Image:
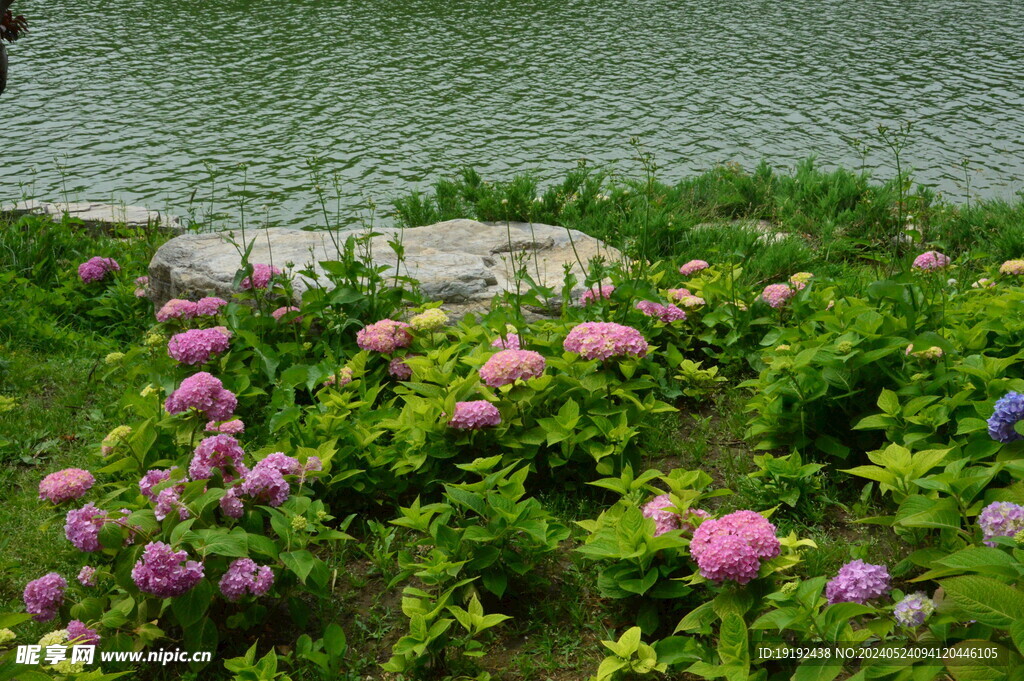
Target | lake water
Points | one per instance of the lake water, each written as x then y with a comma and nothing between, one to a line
139,101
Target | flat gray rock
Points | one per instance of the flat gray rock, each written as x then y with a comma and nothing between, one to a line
108,214
463,263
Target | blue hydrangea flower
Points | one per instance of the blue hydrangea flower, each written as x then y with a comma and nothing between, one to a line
1008,410
913,610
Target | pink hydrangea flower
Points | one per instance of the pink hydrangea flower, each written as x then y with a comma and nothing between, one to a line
341,379
217,451
676,294
232,427
209,307
176,308
664,519
243,577
168,500
397,368
164,572
65,485
261,276
691,301
282,311
800,280
666,313
931,260
198,346
96,269
509,366
154,477
204,393
231,504
87,576
511,341
82,527
266,484
592,295
733,546
858,582
604,340
141,286
44,596
693,267
475,415
384,336
1013,267
81,635
776,295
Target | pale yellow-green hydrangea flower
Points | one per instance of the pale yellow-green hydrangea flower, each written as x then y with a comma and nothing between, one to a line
149,390
114,438
113,358
152,340
299,523
7,403
6,636
431,320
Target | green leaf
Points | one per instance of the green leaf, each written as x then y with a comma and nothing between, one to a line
299,562
888,402
732,641
985,599
334,640
190,607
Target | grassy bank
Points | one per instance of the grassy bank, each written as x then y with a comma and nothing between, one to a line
813,412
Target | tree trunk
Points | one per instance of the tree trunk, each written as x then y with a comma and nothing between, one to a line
3,68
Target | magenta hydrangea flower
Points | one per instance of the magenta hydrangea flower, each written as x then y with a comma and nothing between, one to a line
87,576
666,313
243,577
341,379
693,267
217,451
931,260
44,596
511,341
65,485
204,393
209,307
733,546
604,340
475,415
260,278
82,527
509,366
198,346
858,582
231,503
164,572
594,294
776,295
397,368
1000,519
232,427
175,308
282,311
384,336
81,635
96,269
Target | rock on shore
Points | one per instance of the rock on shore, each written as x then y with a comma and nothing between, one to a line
463,263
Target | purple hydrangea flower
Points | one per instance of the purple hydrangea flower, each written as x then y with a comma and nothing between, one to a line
82,527
95,269
44,596
858,582
87,576
81,635
245,576
164,572
217,451
1001,519
913,610
231,505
